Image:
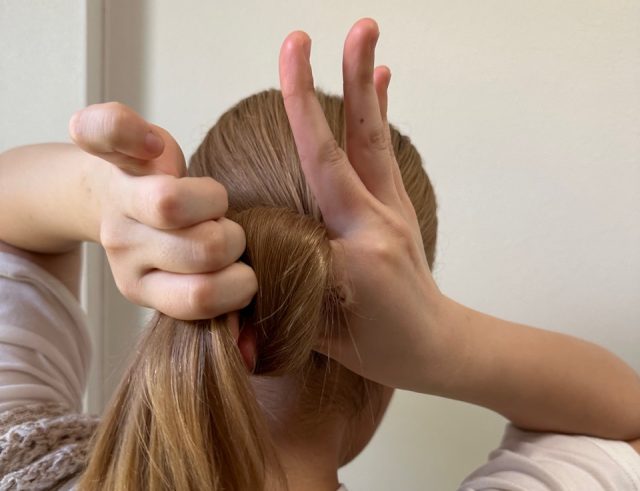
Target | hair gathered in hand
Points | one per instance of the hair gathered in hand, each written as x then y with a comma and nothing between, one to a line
186,416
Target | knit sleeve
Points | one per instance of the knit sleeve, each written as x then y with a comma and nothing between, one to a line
45,347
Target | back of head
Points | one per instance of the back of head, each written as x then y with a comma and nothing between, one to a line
186,416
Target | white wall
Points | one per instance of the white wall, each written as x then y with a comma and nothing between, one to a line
51,65
43,77
528,118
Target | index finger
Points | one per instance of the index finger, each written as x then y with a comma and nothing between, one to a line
166,202
337,188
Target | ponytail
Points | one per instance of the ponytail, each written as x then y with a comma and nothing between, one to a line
184,417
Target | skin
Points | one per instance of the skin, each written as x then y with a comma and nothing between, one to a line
171,248
312,450
562,384
166,238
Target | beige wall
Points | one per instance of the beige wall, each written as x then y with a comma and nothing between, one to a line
527,115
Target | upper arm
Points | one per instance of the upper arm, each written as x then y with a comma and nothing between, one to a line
531,460
65,266
635,444
45,346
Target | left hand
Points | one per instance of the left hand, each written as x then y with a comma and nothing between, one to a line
166,238
390,335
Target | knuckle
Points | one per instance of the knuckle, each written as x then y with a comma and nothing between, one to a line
243,283
128,288
406,246
377,139
199,296
165,202
395,243
209,250
288,94
404,239
111,238
330,152
239,244
252,286
297,92
221,194
382,251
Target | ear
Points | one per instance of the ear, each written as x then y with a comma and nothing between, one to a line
245,336
247,346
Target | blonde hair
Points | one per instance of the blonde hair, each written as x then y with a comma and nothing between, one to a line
185,416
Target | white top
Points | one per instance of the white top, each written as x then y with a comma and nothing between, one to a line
45,349
45,355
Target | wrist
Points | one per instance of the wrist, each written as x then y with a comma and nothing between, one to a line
96,182
447,350
79,197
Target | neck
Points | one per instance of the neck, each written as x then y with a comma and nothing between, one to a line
310,460
309,453
309,470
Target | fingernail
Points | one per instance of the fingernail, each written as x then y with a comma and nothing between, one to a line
73,125
153,143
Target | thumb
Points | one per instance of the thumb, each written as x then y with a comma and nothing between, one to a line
117,134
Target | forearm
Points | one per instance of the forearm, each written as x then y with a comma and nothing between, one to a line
539,380
49,197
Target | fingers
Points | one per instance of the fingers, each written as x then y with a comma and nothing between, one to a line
338,190
381,81
116,133
115,128
166,202
367,141
208,246
198,296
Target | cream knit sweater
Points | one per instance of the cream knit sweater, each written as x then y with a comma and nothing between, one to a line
42,446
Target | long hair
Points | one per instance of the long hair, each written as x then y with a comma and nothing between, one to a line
185,416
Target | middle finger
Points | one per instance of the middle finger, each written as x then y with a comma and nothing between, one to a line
206,247
367,143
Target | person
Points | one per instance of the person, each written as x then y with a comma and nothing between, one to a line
280,390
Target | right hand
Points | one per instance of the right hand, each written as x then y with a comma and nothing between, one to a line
378,254
166,238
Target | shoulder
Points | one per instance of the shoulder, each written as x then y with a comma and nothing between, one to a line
556,462
64,267
45,346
